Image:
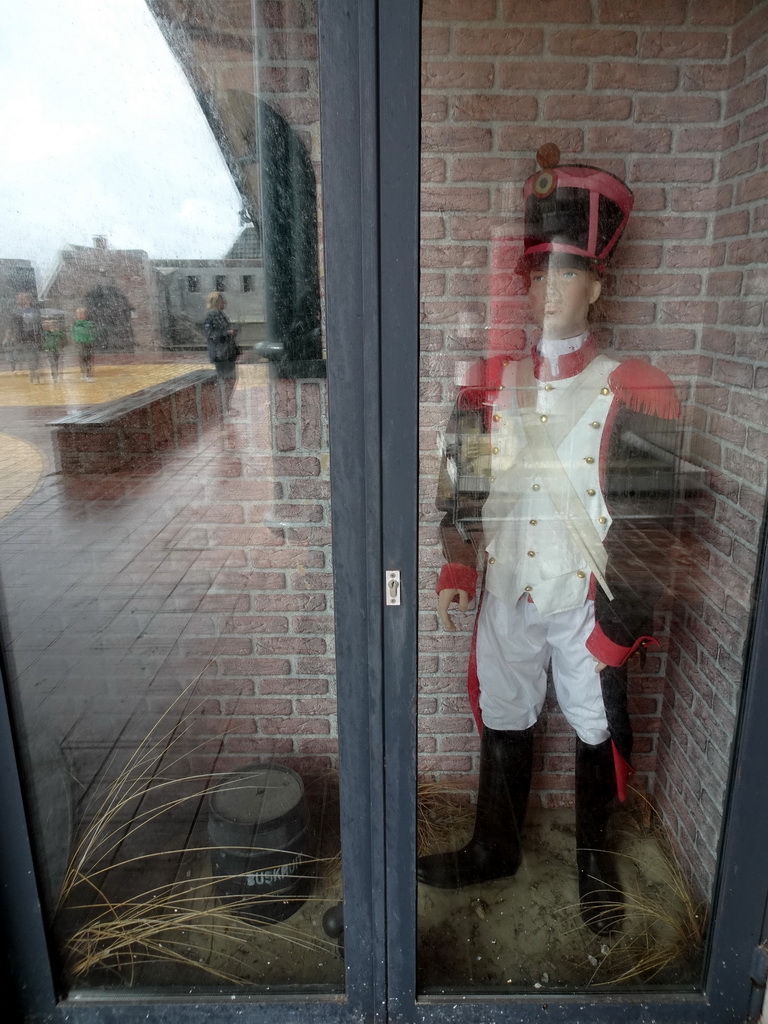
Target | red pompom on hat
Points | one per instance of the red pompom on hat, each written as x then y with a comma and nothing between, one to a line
573,209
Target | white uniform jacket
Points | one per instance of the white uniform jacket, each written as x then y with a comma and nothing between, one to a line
524,485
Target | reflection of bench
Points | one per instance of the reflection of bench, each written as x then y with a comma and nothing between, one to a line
135,431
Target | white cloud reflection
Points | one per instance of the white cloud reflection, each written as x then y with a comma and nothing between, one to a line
103,136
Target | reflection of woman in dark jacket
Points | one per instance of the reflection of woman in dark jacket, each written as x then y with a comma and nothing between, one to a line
222,347
28,332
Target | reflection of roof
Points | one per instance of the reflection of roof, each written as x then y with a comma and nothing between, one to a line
247,245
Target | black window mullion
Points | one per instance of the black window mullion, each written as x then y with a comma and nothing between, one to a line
399,46
348,91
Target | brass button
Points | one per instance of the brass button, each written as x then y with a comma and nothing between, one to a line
536,487
527,589
493,479
591,492
602,519
501,387
581,575
531,554
497,418
495,451
549,387
589,460
543,418
491,561
534,522
505,362
605,391
595,424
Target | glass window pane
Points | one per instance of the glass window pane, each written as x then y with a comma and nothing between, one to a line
599,501
165,550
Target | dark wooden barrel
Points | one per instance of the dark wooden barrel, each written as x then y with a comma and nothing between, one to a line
258,826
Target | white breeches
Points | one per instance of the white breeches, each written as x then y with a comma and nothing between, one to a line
514,648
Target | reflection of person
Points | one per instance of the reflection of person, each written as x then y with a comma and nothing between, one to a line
223,349
84,336
53,341
28,330
11,349
548,431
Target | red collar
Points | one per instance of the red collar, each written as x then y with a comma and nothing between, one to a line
568,365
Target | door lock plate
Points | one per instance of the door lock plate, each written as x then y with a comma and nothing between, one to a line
392,586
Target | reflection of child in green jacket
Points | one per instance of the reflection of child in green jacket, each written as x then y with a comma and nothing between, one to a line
54,338
84,336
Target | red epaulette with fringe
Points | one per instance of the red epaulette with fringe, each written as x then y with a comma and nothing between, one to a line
645,388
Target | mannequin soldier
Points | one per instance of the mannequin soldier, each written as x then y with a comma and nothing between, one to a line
541,438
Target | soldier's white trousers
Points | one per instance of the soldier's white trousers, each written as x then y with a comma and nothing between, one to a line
514,648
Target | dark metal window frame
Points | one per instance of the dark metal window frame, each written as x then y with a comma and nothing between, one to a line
347,30
370,109
739,904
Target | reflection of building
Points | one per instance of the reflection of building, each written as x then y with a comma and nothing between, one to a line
268,129
115,285
186,284
145,304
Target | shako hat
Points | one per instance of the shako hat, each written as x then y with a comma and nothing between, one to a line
573,209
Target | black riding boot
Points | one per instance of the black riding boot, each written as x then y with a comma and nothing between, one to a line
600,894
506,761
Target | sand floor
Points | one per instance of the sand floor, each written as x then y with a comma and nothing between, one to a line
522,934
526,933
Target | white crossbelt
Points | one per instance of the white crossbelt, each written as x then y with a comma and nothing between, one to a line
546,463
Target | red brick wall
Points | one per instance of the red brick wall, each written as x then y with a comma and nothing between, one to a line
670,96
728,416
266,635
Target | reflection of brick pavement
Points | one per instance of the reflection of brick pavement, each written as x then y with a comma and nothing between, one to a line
21,465
121,589
112,381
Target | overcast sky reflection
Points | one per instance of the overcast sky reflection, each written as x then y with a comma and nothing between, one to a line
103,136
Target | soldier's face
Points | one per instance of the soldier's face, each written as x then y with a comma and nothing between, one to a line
560,298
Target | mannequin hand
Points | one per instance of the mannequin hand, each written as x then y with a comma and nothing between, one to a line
444,599
599,666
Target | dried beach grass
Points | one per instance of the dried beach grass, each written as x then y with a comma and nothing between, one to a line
444,816
665,919
185,920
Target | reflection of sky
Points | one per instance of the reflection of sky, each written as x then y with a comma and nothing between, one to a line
102,135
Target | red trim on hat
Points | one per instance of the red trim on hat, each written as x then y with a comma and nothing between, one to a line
598,183
592,178
612,242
